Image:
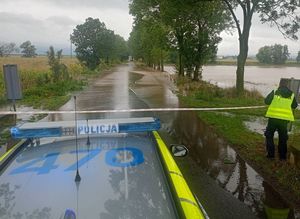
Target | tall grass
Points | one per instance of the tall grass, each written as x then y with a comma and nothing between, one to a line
38,88
37,64
205,94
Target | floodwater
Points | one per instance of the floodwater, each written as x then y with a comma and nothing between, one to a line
260,78
226,186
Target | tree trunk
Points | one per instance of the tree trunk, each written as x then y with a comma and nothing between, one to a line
197,76
189,71
242,183
241,59
161,61
181,73
179,36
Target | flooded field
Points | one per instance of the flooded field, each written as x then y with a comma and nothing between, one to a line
262,79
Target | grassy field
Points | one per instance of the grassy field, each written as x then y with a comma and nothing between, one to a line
250,145
39,89
37,64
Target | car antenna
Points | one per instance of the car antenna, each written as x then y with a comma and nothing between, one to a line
88,143
77,178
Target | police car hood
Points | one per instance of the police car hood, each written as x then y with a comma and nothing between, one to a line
121,177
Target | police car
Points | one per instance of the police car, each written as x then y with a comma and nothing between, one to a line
94,169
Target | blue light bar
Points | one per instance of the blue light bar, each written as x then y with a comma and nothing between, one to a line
85,127
140,127
35,133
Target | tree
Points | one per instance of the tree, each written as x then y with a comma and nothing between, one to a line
120,48
7,48
59,70
276,54
298,57
28,50
202,36
279,54
188,26
264,55
148,40
94,42
280,13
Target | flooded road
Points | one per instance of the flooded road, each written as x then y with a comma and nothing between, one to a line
225,189
231,190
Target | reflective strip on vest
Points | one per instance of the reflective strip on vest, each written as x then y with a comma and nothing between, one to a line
280,108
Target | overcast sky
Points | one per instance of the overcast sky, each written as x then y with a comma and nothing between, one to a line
50,22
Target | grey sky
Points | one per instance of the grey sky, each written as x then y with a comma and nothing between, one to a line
50,22
260,35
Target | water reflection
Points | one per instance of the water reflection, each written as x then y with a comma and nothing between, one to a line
8,203
222,163
137,203
134,196
294,157
274,205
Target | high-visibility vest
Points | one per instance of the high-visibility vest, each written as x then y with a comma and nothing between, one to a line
280,108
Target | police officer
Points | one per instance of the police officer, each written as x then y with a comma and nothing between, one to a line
281,102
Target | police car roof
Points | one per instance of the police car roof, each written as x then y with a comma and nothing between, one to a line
121,177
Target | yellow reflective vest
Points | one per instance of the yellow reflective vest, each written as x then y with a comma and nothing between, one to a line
280,108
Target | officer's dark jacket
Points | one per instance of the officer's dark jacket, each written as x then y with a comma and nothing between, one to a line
283,92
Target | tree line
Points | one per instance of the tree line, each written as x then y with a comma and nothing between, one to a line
27,49
275,54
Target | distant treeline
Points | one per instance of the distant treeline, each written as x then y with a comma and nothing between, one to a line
27,49
276,54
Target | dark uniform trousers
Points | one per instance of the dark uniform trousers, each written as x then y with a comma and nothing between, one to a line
280,126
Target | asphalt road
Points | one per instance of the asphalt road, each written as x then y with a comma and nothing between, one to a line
125,87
